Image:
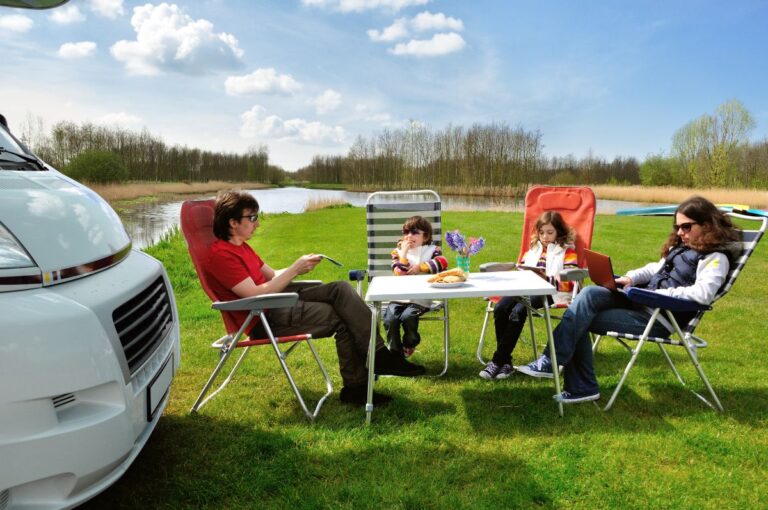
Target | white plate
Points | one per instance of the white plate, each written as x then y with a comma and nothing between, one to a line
450,285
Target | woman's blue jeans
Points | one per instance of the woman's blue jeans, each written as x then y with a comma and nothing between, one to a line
597,310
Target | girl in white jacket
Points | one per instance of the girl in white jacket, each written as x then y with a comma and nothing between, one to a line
552,250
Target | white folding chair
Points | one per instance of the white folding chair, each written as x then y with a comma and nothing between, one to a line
386,211
684,335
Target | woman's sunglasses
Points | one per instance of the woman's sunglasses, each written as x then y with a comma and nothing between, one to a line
686,227
253,217
412,231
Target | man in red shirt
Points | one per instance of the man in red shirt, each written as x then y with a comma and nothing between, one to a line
235,271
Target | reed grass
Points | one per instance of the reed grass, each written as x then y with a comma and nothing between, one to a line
315,204
458,441
133,190
673,195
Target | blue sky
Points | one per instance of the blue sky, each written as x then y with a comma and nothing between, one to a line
306,77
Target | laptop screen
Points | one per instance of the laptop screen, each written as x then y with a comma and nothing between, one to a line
600,269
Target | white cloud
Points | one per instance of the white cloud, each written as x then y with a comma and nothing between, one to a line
397,30
425,21
67,15
77,50
363,5
107,8
256,123
382,118
16,23
440,44
169,40
120,119
422,22
327,101
264,81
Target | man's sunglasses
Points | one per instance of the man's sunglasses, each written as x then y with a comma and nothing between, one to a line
412,231
253,217
686,227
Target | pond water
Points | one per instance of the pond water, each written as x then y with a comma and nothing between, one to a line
146,222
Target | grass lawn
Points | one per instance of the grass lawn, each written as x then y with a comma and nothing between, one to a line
459,441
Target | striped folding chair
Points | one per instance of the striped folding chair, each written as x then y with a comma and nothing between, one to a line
577,205
197,227
685,338
386,211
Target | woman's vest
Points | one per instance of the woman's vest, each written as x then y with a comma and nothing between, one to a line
678,270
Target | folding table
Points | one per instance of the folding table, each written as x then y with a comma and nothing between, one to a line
505,283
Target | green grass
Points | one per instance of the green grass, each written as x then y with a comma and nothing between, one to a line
459,441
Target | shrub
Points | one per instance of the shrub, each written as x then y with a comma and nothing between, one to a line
97,166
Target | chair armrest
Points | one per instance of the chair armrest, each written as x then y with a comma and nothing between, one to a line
357,275
656,300
490,267
573,275
258,303
301,284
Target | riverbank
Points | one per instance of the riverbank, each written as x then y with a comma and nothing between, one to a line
651,194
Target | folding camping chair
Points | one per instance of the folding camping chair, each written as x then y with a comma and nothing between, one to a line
386,211
577,207
197,226
685,338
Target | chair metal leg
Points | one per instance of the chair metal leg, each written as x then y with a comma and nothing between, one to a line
631,363
281,356
201,400
595,342
481,342
533,331
690,349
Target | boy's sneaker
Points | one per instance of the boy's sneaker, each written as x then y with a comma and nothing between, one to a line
569,398
542,367
490,371
505,371
408,351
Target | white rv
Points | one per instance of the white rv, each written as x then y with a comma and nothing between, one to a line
89,337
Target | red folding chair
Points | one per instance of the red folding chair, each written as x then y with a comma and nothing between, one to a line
576,204
197,227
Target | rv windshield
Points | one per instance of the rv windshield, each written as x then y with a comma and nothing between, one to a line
12,155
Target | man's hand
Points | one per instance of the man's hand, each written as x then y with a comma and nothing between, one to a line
306,263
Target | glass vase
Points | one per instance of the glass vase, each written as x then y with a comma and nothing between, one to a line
462,263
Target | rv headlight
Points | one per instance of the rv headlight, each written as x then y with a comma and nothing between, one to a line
12,254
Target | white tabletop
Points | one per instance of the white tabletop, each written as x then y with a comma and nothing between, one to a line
501,283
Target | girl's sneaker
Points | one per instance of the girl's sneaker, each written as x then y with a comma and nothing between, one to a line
490,371
505,371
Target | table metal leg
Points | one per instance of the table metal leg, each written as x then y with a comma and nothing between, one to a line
372,360
553,354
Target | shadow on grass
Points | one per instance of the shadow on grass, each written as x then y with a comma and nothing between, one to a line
527,408
198,462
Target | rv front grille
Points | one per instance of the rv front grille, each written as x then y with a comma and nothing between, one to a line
142,322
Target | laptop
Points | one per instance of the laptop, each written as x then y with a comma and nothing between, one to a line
601,270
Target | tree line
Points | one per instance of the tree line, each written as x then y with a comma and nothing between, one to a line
99,153
711,151
481,158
